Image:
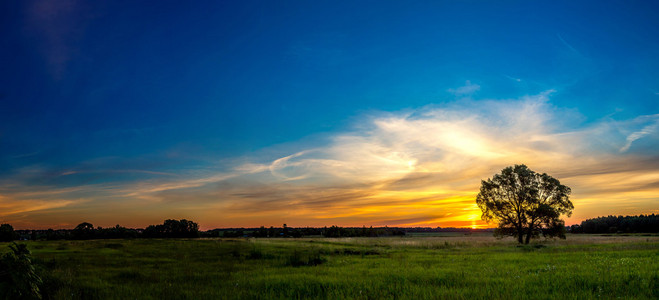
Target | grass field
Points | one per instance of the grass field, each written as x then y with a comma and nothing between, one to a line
456,266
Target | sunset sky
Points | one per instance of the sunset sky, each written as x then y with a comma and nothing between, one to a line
319,113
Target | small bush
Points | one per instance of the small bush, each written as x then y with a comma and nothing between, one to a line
236,252
130,275
297,259
255,253
529,248
348,251
114,246
315,259
18,277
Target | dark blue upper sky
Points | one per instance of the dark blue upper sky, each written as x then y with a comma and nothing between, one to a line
163,85
104,78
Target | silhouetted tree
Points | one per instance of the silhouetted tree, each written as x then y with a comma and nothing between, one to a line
84,231
153,231
576,229
524,203
7,233
116,232
173,228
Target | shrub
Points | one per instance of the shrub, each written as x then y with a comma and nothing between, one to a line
18,277
296,259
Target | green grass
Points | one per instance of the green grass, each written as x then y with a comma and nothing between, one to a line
444,267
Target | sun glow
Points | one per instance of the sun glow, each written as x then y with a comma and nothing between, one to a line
421,169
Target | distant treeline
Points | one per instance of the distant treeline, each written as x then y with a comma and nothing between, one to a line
285,231
86,231
189,229
619,224
332,231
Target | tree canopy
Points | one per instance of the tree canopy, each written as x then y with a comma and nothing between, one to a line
525,203
7,233
84,231
173,228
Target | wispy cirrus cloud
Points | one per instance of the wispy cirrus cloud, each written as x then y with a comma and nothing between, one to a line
567,45
467,90
648,129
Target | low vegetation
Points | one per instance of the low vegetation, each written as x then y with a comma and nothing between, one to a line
456,266
18,276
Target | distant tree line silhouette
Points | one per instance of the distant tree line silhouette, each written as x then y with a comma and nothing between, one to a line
189,229
86,231
332,231
285,231
619,224
172,229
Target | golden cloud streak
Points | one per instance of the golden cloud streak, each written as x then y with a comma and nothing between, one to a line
406,169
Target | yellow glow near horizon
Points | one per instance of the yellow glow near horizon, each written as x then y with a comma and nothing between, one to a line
395,170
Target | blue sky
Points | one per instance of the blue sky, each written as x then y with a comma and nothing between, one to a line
100,98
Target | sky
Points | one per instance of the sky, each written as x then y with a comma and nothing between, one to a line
319,113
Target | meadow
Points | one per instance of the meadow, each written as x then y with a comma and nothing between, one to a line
453,266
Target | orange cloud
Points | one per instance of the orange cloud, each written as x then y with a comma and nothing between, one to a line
414,168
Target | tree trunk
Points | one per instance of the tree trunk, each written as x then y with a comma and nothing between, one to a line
528,234
520,235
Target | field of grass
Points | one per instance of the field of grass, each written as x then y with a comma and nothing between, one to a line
437,267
